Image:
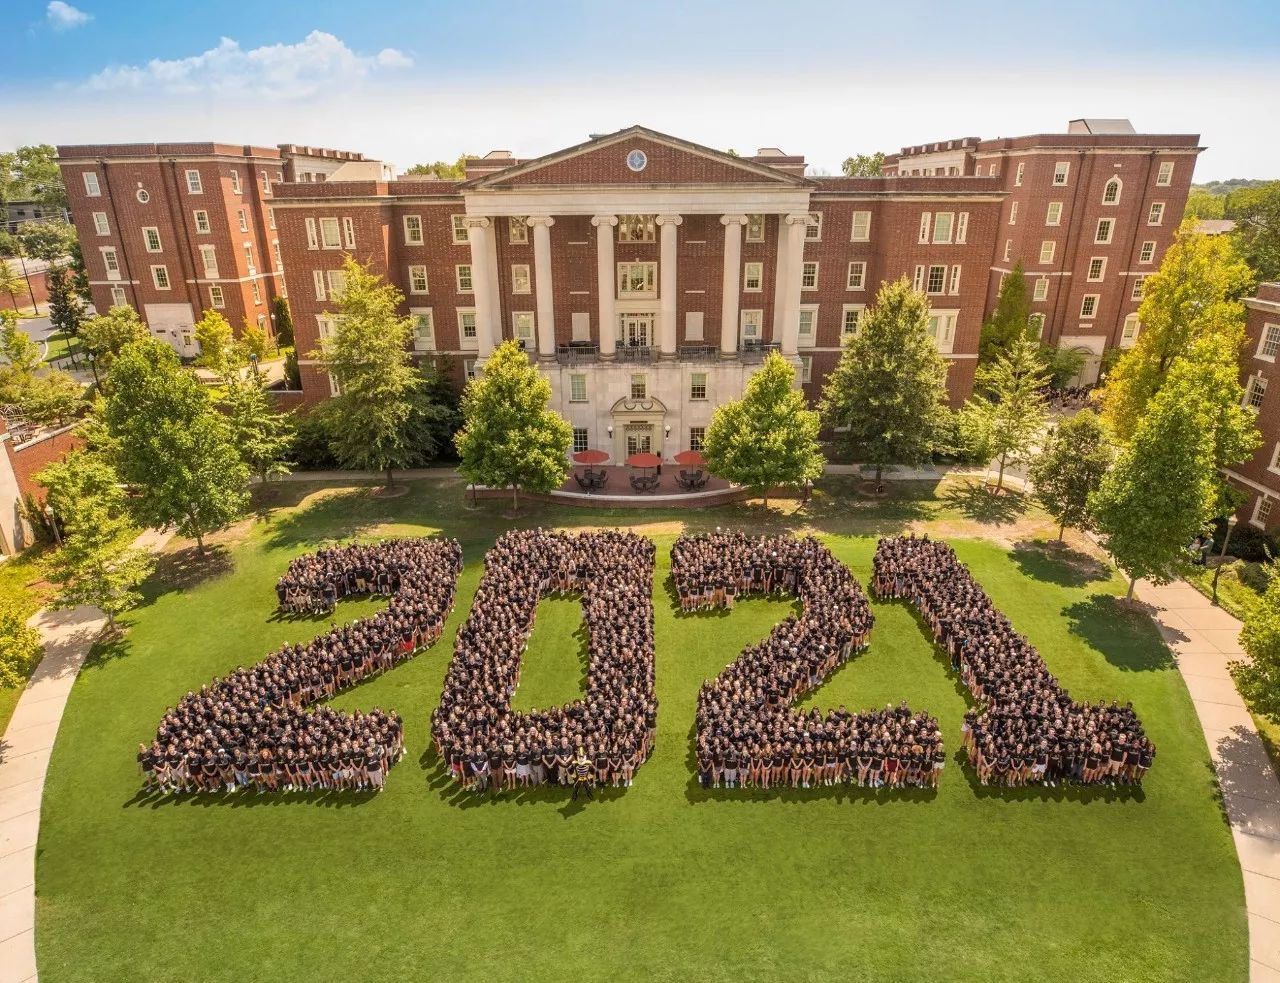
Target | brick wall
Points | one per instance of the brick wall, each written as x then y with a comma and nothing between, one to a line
1256,477
30,459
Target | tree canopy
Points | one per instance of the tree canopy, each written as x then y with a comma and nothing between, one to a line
768,437
1256,212
31,173
1010,320
1069,468
886,397
443,169
1008,414
106,335
218,351
261,436
863,165
1259,677
49,241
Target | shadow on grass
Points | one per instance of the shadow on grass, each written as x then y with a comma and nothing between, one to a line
248,798
1124,634
186,569
1057,563
972,500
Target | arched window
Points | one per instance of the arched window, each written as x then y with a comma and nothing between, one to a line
1111,193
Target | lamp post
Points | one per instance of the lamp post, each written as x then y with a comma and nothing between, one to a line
93,367
253,364
1222,557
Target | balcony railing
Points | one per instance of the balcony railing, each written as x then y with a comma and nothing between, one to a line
698,353
756,351
636,353
578,353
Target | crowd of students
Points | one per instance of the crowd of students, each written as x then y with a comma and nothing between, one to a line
747,733
250,729
488,745
1027,729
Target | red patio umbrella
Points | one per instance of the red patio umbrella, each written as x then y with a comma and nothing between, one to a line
693,459
643,459
591,457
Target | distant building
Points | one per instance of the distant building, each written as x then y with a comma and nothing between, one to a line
20,213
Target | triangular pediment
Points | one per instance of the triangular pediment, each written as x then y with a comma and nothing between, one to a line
637,157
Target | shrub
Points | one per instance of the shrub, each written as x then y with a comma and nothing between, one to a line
1247,543
310,450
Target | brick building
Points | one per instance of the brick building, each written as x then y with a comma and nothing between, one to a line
173,229
1259,477
1089,213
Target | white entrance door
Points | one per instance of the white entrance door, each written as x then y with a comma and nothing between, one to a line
173,324
635,330
639,441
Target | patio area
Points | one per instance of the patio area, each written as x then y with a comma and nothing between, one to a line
618,483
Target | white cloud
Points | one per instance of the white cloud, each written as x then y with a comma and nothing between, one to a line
63,16
319,62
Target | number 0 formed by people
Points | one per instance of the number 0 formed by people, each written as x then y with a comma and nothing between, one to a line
250,729
747,732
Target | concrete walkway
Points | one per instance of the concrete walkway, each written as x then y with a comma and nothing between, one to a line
1203,639
24,760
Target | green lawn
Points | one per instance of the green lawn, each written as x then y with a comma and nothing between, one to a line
63,346
661,881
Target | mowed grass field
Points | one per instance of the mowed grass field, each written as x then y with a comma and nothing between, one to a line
662,881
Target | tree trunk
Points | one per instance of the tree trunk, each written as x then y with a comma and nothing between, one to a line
766,497
1000,476
515,497
879,472
199,543
389,480
1062,527
1133,582
111,621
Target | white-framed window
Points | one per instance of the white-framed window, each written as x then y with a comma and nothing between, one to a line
808,276
943,226
936,280
926,225
578,388
330,238
313,241
755,228
462,274
469,368
1041,290
235,182
317,281
942,328
1017,174
216,298
1148,252
1106,226
860,228
636,228
202,222
243,219
111,261
275,252
91,186
1155,215
639,386
1262,511
1061,170
324,327
413,230
160,277
1269,343
424,329
637,279
118,297
696,436
850,316
806,368
1164,175
266,183
1036,321
461,234
467,337
100,224
337,280
953,284
521,283
522,327
1089,305
857,276
1256,392
151,238
581,439
813,231
1139,285
962,227
993,170
1111,191
1097,269
697,385
751,325
752,277
195,185
1053,213
209,260
1275,458
1008,249
255,288
517,230
348,231
807,335
1013,213
1129,331
248,258
417,279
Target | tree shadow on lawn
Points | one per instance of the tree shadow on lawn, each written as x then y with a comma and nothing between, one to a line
186,569
248,798
1057,563
972,500
1125,635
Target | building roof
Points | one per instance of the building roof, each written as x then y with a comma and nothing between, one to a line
1100,126
1214,226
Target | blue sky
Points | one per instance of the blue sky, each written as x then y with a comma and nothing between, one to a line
408,80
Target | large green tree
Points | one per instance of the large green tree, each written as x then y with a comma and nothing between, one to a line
1008,414
218,351
1069,468
886,397
31,173
171,445
367,356
49,241
260,435
1259,677
1256,212
20,647
509,436
863,165
1196,293
53,397
12,283
442,169
1010,321
283,322
106,335
79,476
19,359
1160,492
768,437
96,565
66,311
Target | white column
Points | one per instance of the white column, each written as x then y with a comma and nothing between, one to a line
484,284
731,290
667,286
606,284
542,284
795,231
